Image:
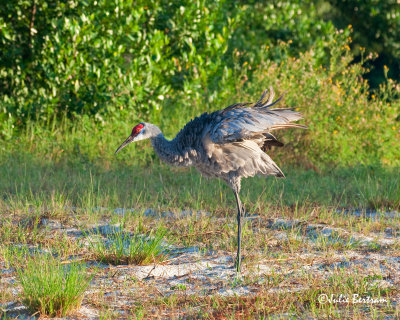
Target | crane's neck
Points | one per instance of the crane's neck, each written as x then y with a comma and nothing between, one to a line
167,150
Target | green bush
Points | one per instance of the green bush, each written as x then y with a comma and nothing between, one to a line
376,25
347,124
133,57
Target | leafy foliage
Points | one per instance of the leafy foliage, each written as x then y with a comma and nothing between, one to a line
346,124
129,55
376,25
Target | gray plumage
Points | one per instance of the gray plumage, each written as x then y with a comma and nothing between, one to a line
229,144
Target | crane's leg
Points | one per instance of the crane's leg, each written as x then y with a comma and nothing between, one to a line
239,235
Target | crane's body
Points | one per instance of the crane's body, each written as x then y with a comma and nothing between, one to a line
229,144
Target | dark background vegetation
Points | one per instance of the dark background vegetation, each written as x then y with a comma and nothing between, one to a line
76,75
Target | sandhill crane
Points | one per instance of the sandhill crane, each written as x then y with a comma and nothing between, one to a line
229,144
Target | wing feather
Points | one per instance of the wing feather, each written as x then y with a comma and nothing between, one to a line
243,121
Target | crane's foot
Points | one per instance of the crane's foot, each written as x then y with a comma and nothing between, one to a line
238,264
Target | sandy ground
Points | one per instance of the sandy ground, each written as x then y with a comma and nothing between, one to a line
190,271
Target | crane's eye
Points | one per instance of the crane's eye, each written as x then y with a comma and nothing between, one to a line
137,129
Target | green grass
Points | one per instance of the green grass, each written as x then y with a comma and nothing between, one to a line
28,184
121,247
49,287
78,193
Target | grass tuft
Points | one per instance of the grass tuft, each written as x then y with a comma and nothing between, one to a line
51,288
121,247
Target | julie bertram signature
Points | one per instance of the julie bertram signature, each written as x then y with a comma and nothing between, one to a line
353,299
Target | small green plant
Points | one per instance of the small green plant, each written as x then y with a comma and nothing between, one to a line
335,241
50,287
179,286
121,247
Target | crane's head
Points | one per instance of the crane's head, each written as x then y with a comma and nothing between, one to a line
139,132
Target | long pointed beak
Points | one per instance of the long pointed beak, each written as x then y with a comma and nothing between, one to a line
124,144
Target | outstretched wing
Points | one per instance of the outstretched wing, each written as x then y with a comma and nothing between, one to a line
243,121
